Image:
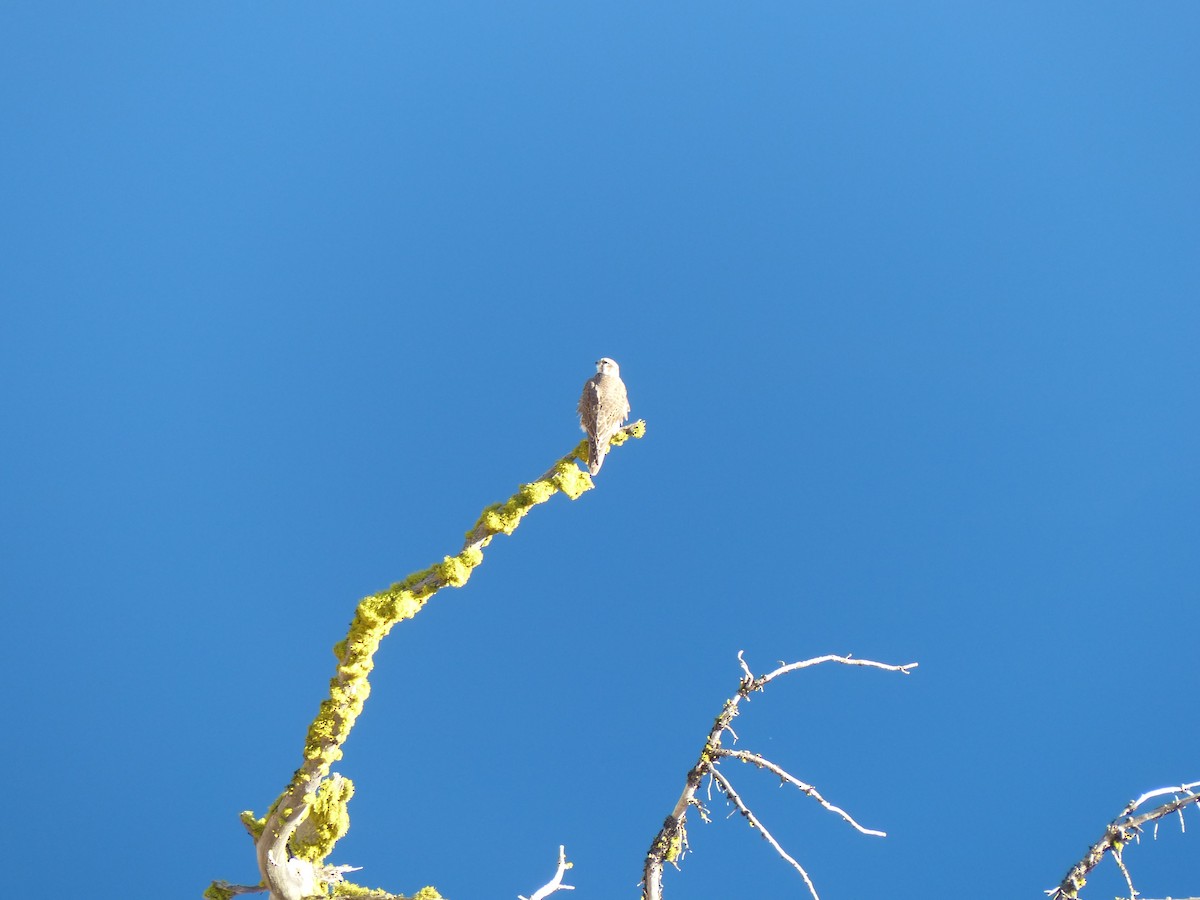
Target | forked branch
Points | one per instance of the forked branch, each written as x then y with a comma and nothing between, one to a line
670,843
555,883
1120,831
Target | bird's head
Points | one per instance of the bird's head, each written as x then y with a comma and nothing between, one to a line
608,366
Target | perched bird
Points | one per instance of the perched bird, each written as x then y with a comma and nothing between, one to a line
603,408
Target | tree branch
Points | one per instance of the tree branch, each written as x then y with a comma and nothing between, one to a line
729,792
668,845
764,763
291,873
555,883
1117,835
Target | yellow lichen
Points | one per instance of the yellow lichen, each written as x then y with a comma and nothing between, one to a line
674,847
253,825
350,891
571,481
374,617
328,819
498,519
454,571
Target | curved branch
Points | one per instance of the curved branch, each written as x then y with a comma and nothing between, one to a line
292,877
668,845
763,763
1119,832
554,884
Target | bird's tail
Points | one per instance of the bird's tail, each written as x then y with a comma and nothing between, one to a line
596,455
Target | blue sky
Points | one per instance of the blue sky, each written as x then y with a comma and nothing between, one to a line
907,295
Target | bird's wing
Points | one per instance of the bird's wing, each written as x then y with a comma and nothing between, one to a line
588,402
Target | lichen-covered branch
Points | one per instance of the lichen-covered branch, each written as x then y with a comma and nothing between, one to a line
302,826
1119,832
672,839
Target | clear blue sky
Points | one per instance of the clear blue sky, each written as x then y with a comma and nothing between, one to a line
907,294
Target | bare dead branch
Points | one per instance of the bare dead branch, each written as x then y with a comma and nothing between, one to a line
729,792
846,660
1119,833
763,763
1124,871
555,883
1160,792
668,845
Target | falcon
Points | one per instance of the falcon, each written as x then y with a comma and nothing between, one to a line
603,408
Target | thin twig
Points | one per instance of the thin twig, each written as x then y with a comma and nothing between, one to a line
755,823
847,660
763,763
1124,871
